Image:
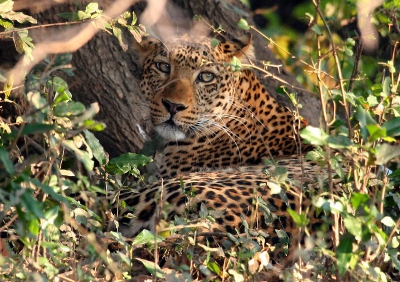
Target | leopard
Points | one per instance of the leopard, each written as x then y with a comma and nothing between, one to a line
210,114
220,124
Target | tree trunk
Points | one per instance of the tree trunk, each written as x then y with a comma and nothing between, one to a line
106,74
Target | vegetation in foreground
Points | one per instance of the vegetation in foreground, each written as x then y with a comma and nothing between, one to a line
53,170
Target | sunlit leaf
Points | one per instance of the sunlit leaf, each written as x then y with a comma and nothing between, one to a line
146,237
388,221
65,109
385,153
214,267
375,132
151,267
301,220
118,34
97,149
358,199
91,8
81,155
243,24
275,187
126,163
280,174
354,226
314,135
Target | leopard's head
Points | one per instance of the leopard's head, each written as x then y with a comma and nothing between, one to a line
190,83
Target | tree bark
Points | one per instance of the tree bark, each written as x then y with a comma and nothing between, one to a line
106,74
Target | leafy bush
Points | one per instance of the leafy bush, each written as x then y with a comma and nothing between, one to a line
53,170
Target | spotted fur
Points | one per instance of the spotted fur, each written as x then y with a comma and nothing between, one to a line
227,121
216,120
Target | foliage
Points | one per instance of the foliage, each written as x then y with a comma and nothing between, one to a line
47,156
53,169
360,124
23,43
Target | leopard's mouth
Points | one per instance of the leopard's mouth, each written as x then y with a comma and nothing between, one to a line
171,131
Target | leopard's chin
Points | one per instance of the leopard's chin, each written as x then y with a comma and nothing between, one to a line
170,131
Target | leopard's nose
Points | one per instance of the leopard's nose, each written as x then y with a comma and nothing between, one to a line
172,107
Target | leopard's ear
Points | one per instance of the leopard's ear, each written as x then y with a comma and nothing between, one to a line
240,47
144,45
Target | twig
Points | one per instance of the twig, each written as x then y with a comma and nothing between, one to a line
335,55
8,223
42,26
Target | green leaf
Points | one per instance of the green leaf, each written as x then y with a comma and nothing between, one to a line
314,135
81,15
301,220
118,34
46,189
71,108
134,19
388,221
97,149
386,87
67,15
127,163
77,204
57,83
280,174
353,226
338,142
62,60
214,43
358,199
34,226
372,100
5,159
94,125
392,127
243,24
81,155
31,204
51,215
214,267
376,89
316,29
151,267
8,85
348,51
146,237
351,42
375,132
344,253
62,95
236,64
91,8
5,24
385,152
34,128
364,118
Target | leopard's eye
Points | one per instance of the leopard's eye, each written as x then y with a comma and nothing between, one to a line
205,77
163,67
